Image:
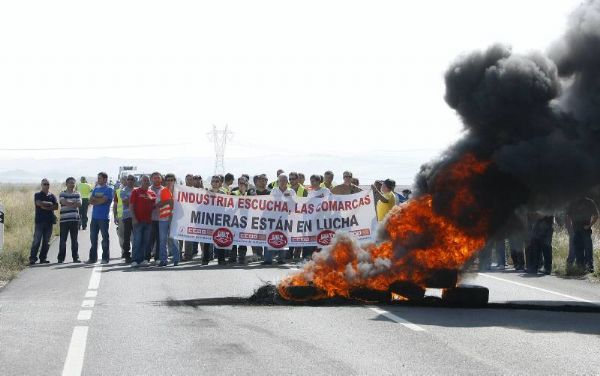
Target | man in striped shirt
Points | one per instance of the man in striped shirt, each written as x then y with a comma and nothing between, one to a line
70,202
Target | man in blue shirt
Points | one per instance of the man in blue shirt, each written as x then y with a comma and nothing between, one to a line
101,198
45,205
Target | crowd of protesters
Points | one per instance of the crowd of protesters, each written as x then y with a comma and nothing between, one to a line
142,210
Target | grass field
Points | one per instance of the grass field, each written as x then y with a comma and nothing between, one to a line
560,251
18,228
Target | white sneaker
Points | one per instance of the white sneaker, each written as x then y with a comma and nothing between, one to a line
144,263
134,264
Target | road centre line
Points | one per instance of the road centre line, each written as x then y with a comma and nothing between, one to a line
538,288
76,353
74,361
397,319
95,278
84,314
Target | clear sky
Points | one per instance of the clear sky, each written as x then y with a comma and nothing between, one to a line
302,77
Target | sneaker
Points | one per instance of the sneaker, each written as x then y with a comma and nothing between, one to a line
128,260
144,263
134,264
175,263
162,264
281,262
91,261
77,261
60,261
103,262
44,262
266,263
31,262
204,262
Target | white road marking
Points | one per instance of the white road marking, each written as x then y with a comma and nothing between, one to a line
74,361
91,294
84,314
537,288
397,319
95,278
88,303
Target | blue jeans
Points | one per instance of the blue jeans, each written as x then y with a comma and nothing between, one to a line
41,235
141,241
269,254
163,239
99,225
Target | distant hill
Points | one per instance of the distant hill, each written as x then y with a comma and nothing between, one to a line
401,167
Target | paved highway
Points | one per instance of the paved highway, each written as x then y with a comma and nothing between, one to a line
107,320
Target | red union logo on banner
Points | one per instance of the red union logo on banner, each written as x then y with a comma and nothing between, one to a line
277,239
223,237
325,236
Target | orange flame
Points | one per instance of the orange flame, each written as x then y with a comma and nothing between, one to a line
418,241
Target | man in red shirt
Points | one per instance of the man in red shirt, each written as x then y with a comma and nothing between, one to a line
141,204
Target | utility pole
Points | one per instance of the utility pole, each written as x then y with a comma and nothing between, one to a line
220,137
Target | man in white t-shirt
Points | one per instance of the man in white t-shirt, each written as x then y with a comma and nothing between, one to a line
281,192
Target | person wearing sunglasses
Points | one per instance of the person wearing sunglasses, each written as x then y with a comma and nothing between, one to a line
346,188
45,205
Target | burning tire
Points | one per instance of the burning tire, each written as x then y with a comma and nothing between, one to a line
466,295
370,295
441,278
303,292
407,290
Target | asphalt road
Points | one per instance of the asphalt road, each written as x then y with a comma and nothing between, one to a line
112,320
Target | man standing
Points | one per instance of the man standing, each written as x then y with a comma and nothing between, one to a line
122,216
70,202
227,183
84,189
260,190
300,191
141,205
272,185
346,188
328,180
281,192
165,208
386,199
155,231
101,198
45,205
581,217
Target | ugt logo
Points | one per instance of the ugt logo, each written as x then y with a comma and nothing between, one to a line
277,239
325,236
223,237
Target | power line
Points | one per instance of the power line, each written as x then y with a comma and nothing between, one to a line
220,137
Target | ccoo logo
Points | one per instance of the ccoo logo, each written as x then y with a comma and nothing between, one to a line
277,239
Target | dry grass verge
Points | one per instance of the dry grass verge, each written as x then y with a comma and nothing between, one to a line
18,228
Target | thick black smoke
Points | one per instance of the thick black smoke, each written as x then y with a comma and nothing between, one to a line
536,117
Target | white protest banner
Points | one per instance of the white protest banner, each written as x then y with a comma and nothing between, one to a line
203,216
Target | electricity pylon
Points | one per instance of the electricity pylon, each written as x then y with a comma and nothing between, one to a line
220,137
